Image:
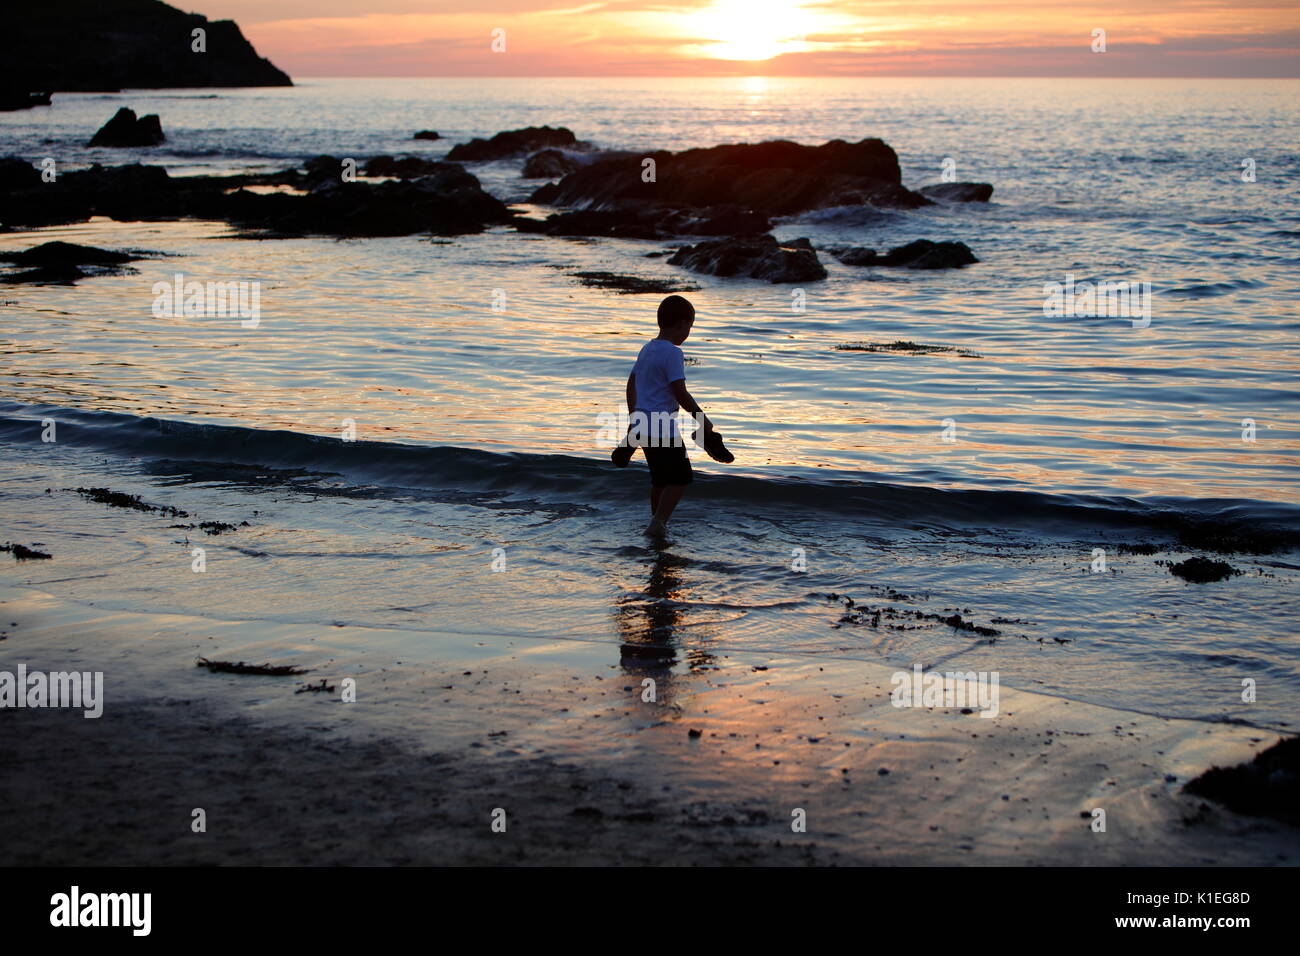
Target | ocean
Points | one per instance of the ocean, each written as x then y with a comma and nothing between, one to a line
958,494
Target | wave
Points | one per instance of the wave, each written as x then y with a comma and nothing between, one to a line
237,454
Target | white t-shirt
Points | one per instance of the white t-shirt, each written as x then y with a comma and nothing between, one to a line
659,364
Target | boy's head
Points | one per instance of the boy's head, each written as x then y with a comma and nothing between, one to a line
676,316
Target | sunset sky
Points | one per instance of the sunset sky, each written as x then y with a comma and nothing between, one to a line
771,37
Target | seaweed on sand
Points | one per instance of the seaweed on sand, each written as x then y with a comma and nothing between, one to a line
239,667
1268,786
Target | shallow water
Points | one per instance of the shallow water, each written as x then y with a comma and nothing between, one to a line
1092,432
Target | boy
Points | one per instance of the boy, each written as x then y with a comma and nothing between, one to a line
656,389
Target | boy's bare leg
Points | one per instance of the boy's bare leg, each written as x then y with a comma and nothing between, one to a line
663,501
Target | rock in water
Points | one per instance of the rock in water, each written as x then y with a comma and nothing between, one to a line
409,167
510,143
958,192
75,45
124,129
17,173
771,179
921,254
754,257
550,164
61,262
426,134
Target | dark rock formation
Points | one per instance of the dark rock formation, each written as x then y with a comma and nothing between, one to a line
551,164
921,254
513,142
1268,786
20,99
445,201
124,129
622,224
62,261
632,285
771,179
1201,570
118,44
426,134
409,167
754,257
649,222
18,174
958,192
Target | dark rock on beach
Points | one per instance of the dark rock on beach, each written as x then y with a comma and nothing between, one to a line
125,130
426,134
1268,786
958,192
754,257
921,254
515,142
119,44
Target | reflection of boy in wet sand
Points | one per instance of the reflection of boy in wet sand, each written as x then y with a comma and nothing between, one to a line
656,389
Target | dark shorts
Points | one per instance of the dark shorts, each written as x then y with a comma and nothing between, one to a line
669,465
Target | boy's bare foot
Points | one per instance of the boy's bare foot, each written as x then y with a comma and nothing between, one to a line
656,529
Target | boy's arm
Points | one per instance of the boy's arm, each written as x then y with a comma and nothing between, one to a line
686,401
631,392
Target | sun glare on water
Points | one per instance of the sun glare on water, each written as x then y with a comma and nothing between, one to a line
751,29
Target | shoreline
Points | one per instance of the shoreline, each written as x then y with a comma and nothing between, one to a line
587,772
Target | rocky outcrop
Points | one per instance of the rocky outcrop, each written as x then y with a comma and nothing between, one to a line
125,129
19,99
426,134
446,200
18,173
753,257
119,44
771,179
958,192
921,254
648,222
551,164
515,142
63,262
409,167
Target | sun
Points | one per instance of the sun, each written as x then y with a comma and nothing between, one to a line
751,29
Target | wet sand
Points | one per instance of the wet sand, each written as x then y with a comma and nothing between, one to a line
556,734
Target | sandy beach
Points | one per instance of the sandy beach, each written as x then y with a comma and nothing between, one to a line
586,771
